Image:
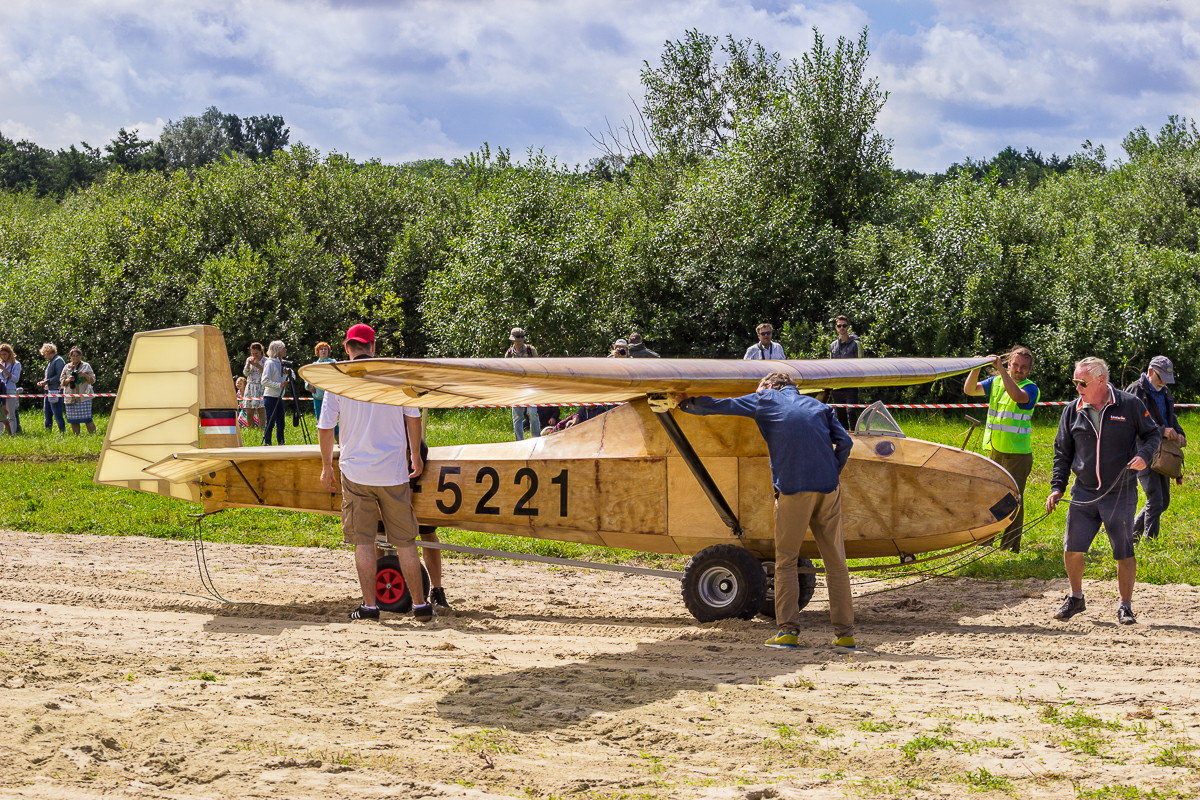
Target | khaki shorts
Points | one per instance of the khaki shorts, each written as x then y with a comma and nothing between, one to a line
363,507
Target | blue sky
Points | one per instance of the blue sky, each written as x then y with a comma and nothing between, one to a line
406,79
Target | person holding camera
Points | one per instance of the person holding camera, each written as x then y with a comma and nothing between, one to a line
275,375
51,384
77,379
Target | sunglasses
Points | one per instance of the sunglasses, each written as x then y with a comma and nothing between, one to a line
766,333
1079,383
842,325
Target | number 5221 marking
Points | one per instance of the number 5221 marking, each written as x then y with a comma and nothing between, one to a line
450,492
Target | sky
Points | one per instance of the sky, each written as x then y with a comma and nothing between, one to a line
401,80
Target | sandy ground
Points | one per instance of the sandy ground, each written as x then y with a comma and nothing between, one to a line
116,682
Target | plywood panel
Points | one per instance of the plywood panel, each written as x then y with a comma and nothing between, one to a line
633,497
689,512
960,462
756,498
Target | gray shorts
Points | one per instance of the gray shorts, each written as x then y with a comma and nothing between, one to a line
1114,511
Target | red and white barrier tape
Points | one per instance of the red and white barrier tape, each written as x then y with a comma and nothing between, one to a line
540,405
58,395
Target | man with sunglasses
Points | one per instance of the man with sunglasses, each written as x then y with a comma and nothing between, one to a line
766,347
1104,437
845,346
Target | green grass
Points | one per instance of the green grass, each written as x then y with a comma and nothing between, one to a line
47,480
1173,558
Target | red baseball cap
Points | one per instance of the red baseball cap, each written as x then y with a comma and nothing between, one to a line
361,333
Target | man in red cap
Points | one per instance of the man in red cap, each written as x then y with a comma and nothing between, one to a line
375,483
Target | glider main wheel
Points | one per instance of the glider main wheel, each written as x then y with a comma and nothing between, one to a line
808,585
391,590
723,582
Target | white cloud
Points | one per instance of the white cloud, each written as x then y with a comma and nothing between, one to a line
430,78
1038,74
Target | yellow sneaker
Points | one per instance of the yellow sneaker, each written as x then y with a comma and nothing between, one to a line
784,640
845,641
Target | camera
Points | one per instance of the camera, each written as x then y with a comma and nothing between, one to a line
287,364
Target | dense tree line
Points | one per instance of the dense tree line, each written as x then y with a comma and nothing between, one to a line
756,190
189,142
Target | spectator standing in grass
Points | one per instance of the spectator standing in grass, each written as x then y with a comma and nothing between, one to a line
239,387
51,384
846,345
78,378
322,352
766,347
1008,434
1154,390
523,416
10,378
1102,436
253,369
638,349
274,378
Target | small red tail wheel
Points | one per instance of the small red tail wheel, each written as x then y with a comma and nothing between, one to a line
391,590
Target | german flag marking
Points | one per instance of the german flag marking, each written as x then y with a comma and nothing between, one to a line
218,420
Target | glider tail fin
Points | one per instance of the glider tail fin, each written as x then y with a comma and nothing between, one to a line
176,394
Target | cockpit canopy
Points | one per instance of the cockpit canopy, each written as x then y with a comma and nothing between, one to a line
876,420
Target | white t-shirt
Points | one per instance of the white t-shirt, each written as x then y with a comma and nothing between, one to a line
374,441
756,352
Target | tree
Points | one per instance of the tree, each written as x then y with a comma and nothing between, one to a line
264,135
75,168
196,141
129,151
693,102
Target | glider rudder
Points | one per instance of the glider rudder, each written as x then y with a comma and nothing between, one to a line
176,394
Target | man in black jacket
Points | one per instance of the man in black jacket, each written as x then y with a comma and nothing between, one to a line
1101,437
1154,391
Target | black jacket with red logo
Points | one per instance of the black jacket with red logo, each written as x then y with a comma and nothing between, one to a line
1099,457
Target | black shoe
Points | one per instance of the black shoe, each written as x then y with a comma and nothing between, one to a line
423,613
437,599
362,612
1070,607
1125,615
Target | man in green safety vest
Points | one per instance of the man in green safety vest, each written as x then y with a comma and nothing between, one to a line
1007,436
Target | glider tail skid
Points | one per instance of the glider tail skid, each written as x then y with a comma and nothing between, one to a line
176,393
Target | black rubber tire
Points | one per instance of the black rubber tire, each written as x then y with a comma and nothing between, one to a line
808,585
391,592
724,581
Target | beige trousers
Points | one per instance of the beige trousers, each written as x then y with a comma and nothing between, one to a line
794,514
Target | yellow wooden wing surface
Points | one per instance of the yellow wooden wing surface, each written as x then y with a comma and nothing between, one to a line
457,382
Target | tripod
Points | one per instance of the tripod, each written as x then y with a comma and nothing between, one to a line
275,416
299,418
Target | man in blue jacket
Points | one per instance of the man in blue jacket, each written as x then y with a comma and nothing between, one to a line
808,448
1104,437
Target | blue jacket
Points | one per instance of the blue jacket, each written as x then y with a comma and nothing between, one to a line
808,445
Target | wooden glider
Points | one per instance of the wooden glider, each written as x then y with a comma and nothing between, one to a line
658,481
